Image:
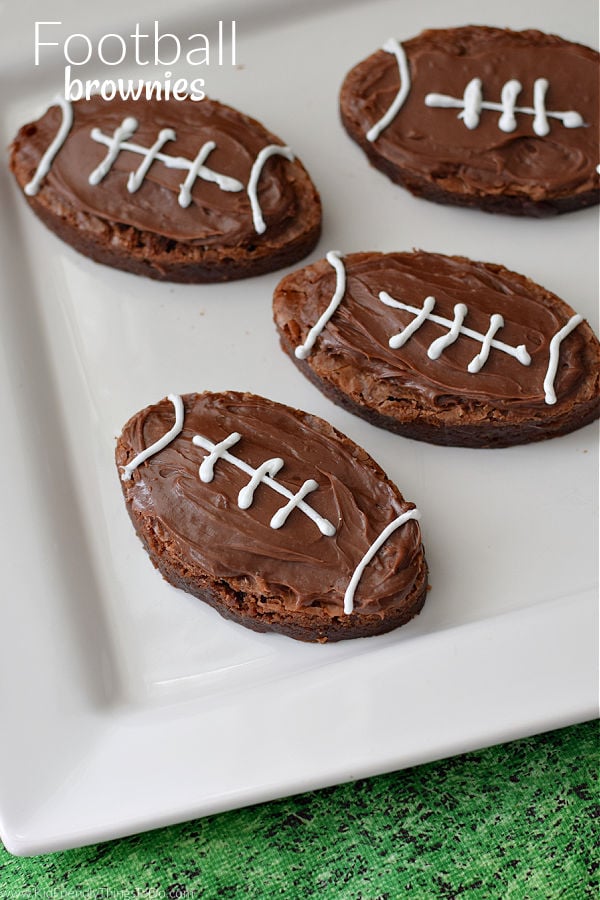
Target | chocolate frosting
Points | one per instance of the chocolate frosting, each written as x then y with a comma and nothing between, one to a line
353,348
215,216
435,143
202,526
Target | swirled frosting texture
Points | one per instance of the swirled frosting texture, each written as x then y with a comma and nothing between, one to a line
202,527
433,144
215,217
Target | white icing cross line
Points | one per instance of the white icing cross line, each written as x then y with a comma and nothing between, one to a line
264,474
472,103
455,329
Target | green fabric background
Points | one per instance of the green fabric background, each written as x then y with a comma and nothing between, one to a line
515,821
518,821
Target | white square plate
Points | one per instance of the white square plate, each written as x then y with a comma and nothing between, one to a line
126,704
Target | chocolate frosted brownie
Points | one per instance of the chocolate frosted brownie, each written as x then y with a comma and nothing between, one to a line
272,517
485,117
176,190
440,348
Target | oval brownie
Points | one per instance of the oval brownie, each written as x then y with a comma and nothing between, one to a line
177,190
440,348
485,117
271,516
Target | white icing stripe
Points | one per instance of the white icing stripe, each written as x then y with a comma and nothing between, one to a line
281,516
161,443
438,346
47,159
270,467
135,178
399,340
392,46
334,259
125,130
207,469
550,395
373,549
472,103
520,353
263,156
185,192
324,526
510,91
478,362
540,122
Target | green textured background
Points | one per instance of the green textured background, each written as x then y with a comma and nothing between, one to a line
519,820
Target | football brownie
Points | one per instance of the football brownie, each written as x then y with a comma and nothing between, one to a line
501,120
440,348
176,190
271,516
